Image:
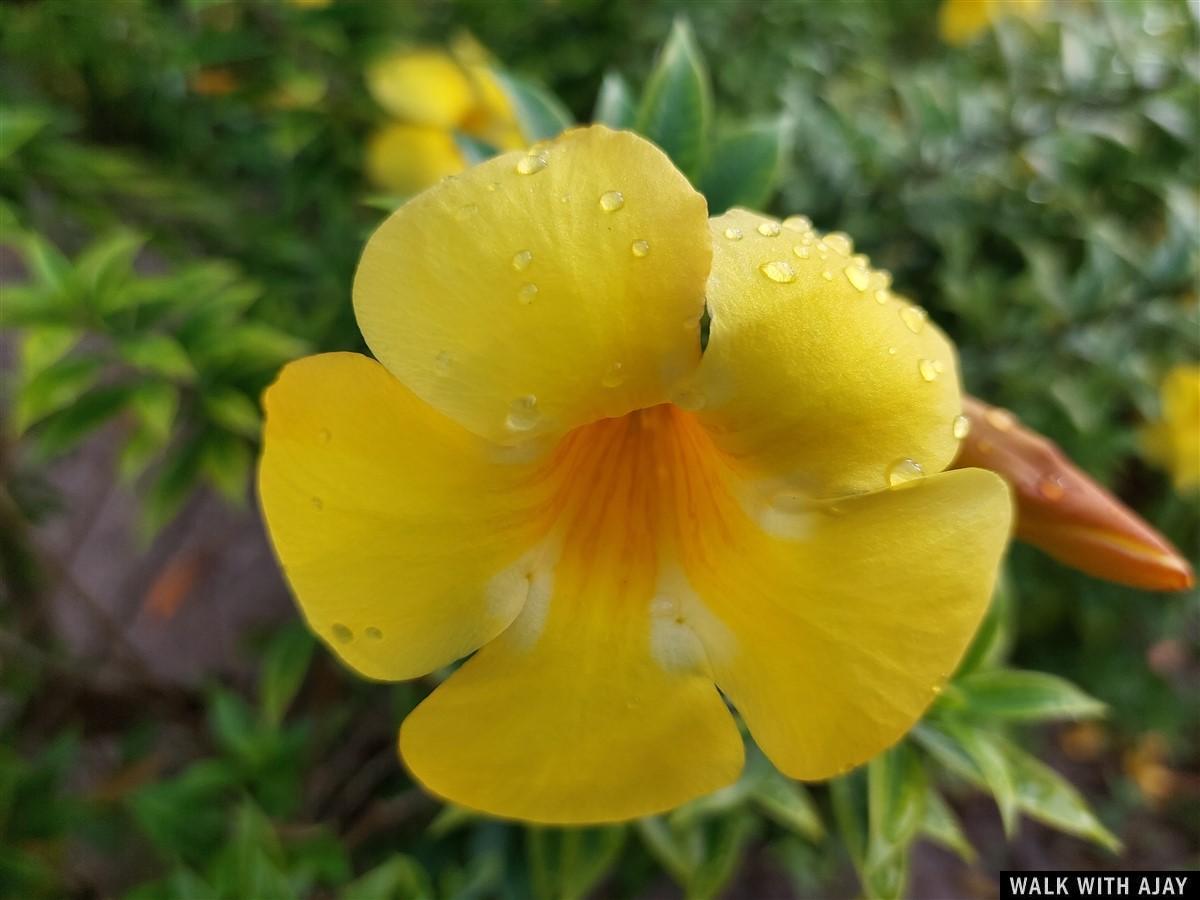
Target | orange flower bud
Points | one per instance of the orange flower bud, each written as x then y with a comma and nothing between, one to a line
1063,512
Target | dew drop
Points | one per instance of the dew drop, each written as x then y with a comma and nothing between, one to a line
733,234
640,248
325,435
913,317
614,377
961,427
769,229
928,370
798,223
467,211
522,259
523,414
827,275
442,362
373,633
937,689
780,271
882,296
318,504
526,293
801,251
531,164
839,242
903,471
1000,419
807,238
611,201
341,633
1052,488
891,351
857,276
493,186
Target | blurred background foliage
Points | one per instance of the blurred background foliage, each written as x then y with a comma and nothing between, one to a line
182,203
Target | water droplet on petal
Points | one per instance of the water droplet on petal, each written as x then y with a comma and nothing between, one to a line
903,471
614,377
640,248
927,369
341,633
492,186
531,164
961,427
1000,419
798,223
937,689
318,504
467,211
891,351
522,259
882,296
1052,488
325,435
857,276
442,362
373,633
807,238
801,251
769,229
611,201
839,242
733,234
780,271
523,414
827,275
913,317
526,293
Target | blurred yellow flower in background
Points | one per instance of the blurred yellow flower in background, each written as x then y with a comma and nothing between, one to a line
432,94
961,21
1173,442
545,471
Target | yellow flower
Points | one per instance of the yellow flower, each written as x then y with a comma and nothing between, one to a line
1173,442
431,94
543,468
961,21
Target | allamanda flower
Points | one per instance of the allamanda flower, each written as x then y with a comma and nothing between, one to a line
961,21
431,94
1173,442
544,469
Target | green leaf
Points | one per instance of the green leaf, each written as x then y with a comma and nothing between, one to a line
540,113
986,754
660,841
226,461
234,411
896,788
106,265
63,430
44,345
789,804
615,106
722,855
991,643
588,855
676,107
849,797
48,266
56,387
157,353
285,663
1045,795
155,403
185,816
1023,696
744,167
21,125
400,878
941,826
171,488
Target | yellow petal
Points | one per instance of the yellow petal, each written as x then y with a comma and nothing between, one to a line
831,641
422,87
567,284
961,21
1174,441
408,158
569,717
493,118
400,533
816,376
